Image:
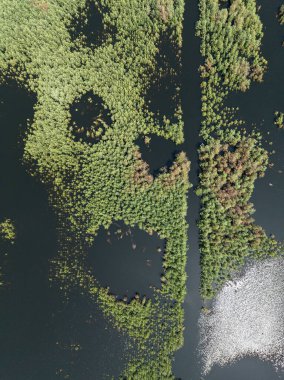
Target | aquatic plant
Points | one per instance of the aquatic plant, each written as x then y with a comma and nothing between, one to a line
94,173
7,230
7,237
231,159
279,119
232,45
280,14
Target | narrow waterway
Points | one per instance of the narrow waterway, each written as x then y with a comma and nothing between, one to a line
186,365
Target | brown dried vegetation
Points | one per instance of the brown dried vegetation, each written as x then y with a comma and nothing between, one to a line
41,5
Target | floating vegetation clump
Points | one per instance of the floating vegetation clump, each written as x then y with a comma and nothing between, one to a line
94,174
7,237
7,230
250,309
231,159
280,14
279,119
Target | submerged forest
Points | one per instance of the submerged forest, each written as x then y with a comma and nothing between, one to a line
99,180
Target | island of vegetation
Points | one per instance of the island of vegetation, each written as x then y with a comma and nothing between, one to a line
107,55
7,237
231,157
280,14
7,231
279,119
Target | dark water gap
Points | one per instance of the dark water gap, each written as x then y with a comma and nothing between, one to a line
186,365
89,28
127,260
161,97
158,153
90,118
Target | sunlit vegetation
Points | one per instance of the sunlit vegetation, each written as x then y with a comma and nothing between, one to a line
7,230
280,14
279,119
231,159
7,236
101,71
232,45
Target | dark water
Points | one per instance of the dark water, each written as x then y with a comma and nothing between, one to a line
41,335
158,153
127,260
186,365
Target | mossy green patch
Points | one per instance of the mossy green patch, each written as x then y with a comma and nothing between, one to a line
280,14
7,230
279,119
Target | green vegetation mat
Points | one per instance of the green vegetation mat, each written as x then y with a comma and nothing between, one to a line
280,15
94,173
7,237
279,119
231,158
